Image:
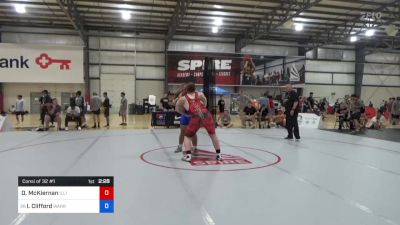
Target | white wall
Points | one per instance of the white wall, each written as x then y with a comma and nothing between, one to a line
381,77
11,90
326,90
332,72
132,56
149,87
377,94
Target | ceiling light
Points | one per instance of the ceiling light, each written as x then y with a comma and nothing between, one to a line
392,30
19,8
369,33
125,6
288,24
214,30
218,21
125,15
218,13
217,6
353,38
298,27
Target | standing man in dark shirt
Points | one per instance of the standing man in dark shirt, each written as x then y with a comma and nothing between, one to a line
250,114
165,102
107,106
311,101
221,105
291,111
45,102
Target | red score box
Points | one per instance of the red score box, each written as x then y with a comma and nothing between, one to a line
107,193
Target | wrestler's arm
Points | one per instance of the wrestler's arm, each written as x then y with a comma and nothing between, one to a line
177,98
180,106
203,99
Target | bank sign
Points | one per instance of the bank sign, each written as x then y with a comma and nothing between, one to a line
40,64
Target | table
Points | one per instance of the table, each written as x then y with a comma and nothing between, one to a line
166,119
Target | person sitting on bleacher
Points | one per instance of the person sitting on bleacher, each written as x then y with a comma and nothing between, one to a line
225,120
343,110
250,114
263,116
73,114
377,122
356,109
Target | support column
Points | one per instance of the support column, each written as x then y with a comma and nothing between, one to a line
359,68
1,91
86,76
166,67
238,50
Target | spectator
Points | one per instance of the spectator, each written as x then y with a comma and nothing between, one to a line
45,102
123,109
80,102
165,102
311,102
323,105
95,104
243,101
53,114
12,109
73,114
107,106
250,115
263,116
291,112
377,122
221,104
382,107
271,109
264,100
343,111
355,112
279,119
396,111
225,119
19,109
389,107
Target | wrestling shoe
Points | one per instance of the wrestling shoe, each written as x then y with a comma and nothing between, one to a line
187,158
219,157
178,149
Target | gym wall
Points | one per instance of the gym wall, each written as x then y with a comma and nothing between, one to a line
331,69
136,59
11,90
141,59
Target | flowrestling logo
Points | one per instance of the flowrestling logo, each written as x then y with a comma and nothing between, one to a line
43,61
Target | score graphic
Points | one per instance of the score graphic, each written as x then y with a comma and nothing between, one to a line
65,194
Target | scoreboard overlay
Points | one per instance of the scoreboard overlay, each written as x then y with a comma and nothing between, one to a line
65,194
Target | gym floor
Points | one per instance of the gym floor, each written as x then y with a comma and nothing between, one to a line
323,179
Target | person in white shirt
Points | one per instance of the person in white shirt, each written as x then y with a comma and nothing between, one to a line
95,104
377,122
73,114
19,109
